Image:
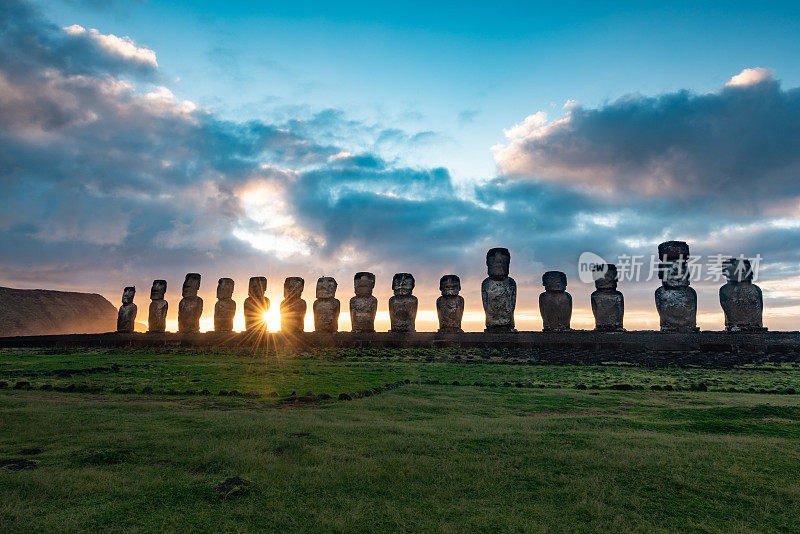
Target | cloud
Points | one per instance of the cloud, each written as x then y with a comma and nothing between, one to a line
121,47
739,146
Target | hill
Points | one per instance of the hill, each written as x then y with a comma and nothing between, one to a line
25,312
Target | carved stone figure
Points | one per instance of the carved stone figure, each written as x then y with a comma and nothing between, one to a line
191,306
676,302
225,308
293,308
499,292
327,306
157,318
740,298
256,304
555,304
363,306
450,306
127,312
608,305
403,305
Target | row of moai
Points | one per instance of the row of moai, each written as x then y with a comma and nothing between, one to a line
676,302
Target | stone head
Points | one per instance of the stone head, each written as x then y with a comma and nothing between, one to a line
364,284
225,288
673,251
257,287
498,261
191,285
450,285
402,284
674,274
608,281
554,281
127,294
737,270
158,290
293,287
326,288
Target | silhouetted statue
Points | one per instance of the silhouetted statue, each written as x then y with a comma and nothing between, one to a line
293,308
363,306
740,298
403,305
675,300
555,304
499,292
608,305
326,307
127,312
225,308
256,304
450,306
157,318
191,306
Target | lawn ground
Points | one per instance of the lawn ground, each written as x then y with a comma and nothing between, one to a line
526,449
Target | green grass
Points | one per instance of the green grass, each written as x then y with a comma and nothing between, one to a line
420,457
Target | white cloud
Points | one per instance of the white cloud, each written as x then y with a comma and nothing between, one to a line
750,77
122,47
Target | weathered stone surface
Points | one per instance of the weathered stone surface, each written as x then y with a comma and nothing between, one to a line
740,298
403,305
293,308
256,304
225,308
157,316
555,304
126,318
608,305
364,305
450,306
676,302
190,307
499,292
326,307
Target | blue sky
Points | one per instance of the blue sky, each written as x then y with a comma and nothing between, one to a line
148,139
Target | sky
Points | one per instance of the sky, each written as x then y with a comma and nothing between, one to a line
148,139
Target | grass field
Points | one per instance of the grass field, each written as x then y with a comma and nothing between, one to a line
527,449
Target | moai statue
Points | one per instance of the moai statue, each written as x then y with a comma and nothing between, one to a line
675,300
256,304
363,306
293,308
499,292
740,298
403,305
608,305
326,307
450,306
157,318
225,308
127,312
191,306
555,304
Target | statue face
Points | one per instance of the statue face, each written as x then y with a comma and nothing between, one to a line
554,281
293,287
674,274
737,270
450,285
402,284
364,284
224,288
127,294
191,285
326,288
498,261
257,287
158,290
609,279
673,251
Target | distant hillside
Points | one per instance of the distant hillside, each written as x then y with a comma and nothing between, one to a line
25,312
